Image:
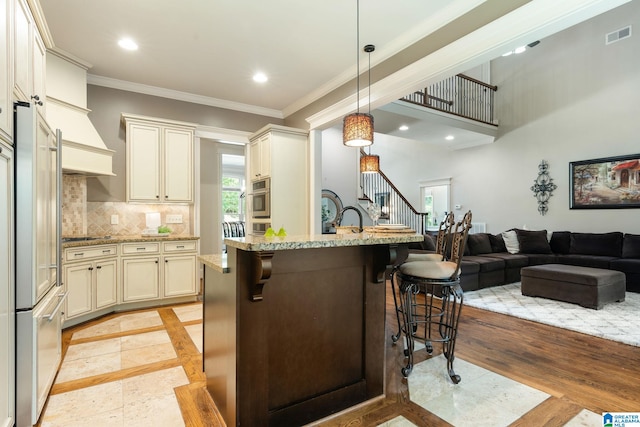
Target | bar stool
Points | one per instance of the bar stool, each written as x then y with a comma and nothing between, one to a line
439,255
431,299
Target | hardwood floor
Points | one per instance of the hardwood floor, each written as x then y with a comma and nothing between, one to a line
577,370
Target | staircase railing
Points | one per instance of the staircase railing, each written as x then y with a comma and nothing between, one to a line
396,209
459,95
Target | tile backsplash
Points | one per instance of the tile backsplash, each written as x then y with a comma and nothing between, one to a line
80,217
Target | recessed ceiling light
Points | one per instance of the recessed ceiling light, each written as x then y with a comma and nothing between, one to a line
450,138
520,49
260,77
128,44
404,127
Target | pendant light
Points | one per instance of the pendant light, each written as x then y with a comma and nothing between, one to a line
370,163
357,128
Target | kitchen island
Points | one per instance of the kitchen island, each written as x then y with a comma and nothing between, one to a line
294,327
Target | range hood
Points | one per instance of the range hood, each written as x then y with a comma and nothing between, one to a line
83,150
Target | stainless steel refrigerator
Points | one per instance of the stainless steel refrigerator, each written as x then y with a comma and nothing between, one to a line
39,295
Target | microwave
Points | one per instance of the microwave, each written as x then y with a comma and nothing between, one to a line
261,198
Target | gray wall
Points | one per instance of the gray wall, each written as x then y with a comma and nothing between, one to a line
107,105
570,98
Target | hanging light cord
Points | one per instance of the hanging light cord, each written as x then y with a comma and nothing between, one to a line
358,56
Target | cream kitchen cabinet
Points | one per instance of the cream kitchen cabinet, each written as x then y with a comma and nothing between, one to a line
29,57
260,155
90,276
159,163
286,152
143,278
180,268
6,38
140,271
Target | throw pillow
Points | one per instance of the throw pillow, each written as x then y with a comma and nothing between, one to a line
511,241
560,242
533,242
497,243
631,246
479,244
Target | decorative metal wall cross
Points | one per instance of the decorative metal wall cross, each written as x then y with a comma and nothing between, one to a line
543,187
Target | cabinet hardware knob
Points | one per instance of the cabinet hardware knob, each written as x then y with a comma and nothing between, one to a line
78,254
36,98
157,197
166,260
156,261
90,268
180,246
99,267
141,249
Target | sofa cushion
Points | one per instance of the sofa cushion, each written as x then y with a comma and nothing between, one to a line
511,241
601,244
479,244
626,265
533,242
497,243
595,261
486,263
560,242
631,246
511,260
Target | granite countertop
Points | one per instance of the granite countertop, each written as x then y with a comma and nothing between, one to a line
261,243
216,261
102,240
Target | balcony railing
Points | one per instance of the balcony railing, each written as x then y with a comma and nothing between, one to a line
459,95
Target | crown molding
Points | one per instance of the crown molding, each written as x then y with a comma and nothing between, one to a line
181,96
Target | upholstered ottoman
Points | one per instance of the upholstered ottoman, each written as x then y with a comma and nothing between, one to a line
586,286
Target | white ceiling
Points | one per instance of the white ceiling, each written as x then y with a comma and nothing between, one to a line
210,49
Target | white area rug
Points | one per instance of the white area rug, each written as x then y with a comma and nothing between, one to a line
617,321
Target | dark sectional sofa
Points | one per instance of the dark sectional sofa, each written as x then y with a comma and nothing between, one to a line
496,259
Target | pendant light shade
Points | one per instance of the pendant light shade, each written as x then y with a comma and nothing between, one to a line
357,130
369,163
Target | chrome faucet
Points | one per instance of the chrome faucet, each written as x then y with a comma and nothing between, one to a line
346,208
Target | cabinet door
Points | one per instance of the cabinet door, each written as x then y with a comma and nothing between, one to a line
265,156
78,280
140,279
44,210
106,273
22,54
39,93
178,161
143,163
179,275
7,297
6,115
254,159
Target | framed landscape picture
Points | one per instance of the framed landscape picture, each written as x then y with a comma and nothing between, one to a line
608,183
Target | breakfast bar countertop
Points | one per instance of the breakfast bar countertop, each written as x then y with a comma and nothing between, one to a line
261,243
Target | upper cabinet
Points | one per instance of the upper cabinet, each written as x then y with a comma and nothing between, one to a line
29,57
159,160
6,112
260,154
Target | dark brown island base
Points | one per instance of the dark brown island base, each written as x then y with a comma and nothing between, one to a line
294,327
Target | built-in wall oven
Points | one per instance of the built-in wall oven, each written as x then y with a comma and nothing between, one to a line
261,198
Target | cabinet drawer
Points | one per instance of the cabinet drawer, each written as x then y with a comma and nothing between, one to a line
140,248
90,252
182,246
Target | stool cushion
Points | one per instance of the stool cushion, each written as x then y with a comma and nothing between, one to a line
440,270
423,257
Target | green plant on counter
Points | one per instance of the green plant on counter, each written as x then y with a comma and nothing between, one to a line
271,232
164,229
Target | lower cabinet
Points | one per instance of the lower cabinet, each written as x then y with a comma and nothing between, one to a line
97,278
179,275
140,278
92,285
